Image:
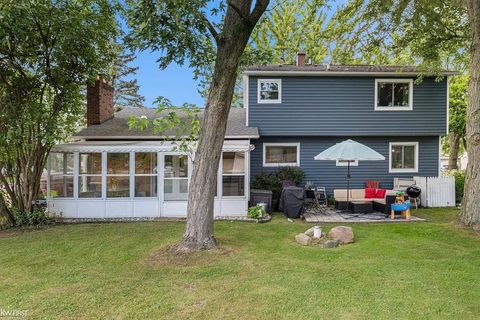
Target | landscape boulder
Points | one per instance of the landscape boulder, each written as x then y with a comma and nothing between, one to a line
342,234
309,232
303,239
332,243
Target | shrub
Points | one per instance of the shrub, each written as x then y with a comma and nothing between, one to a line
36,217
459,183
294,174
256,212
273,180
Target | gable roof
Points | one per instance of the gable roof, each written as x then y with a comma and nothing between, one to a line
117,127
336,70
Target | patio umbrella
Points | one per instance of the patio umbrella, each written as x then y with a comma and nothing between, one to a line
349,150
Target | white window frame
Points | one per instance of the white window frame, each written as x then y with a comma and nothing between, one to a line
222,174
278,81
402,170
280,144
134,174
49,174
343,163
164,178
392,108
102,175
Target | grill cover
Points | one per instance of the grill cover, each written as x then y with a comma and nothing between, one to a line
291,202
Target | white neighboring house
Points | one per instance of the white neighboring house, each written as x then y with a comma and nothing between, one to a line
462,162
114,172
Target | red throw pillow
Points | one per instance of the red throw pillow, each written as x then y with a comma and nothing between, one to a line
370,193
381,193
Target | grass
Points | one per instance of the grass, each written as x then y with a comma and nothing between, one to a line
393,271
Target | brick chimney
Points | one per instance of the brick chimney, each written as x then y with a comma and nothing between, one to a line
99,102
301,59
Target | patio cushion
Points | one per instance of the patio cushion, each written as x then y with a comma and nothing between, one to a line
357,194
380,193
379,200
371,193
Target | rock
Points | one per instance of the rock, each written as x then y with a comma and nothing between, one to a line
303,239
342,234
476,227
309,232
331,243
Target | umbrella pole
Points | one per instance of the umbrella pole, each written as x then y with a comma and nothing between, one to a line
348,185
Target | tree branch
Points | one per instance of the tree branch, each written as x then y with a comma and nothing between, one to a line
258,10
237,10
210,27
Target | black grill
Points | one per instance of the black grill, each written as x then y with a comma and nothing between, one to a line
413,192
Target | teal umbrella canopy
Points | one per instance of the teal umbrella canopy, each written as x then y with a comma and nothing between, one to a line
349,150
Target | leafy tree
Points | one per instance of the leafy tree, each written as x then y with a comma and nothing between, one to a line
49,51
457,118
432,30
126,93
181,31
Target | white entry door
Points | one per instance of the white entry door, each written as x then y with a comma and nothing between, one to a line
175,179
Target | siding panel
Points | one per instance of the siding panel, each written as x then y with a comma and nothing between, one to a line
344,106
326,173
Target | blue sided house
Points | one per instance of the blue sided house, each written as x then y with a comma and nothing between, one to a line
291,113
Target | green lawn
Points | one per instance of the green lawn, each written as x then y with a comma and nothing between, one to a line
394,271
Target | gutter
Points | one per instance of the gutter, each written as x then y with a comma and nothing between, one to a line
338,73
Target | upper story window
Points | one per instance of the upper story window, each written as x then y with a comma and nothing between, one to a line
344,163
393,94
281,154
403,157
269,91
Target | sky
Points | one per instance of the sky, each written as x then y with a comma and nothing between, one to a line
175,82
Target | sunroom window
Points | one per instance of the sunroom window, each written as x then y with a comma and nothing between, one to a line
61,175
404,157
118,175
269,91
145,174
233,174
393,94
90,175
176,178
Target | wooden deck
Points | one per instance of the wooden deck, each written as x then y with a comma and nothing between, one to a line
335,216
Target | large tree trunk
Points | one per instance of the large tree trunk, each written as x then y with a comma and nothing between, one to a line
231,42
471,200
454,141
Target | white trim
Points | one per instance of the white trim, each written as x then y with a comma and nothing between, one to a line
393,108
338,73
245,97
277,101
353,163
411,143
439,156
448,105
281,144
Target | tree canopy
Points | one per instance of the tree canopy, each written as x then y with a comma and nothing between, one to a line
49,51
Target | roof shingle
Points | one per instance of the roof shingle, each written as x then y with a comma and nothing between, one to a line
117,127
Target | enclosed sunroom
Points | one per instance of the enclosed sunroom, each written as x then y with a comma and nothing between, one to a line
139,179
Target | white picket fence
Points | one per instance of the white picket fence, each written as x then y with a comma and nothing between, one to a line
436,191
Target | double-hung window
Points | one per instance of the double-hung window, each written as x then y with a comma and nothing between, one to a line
61,175
393,94
145,174
269,91
281,154
404,157
233,174
90,175
176,178
118,175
